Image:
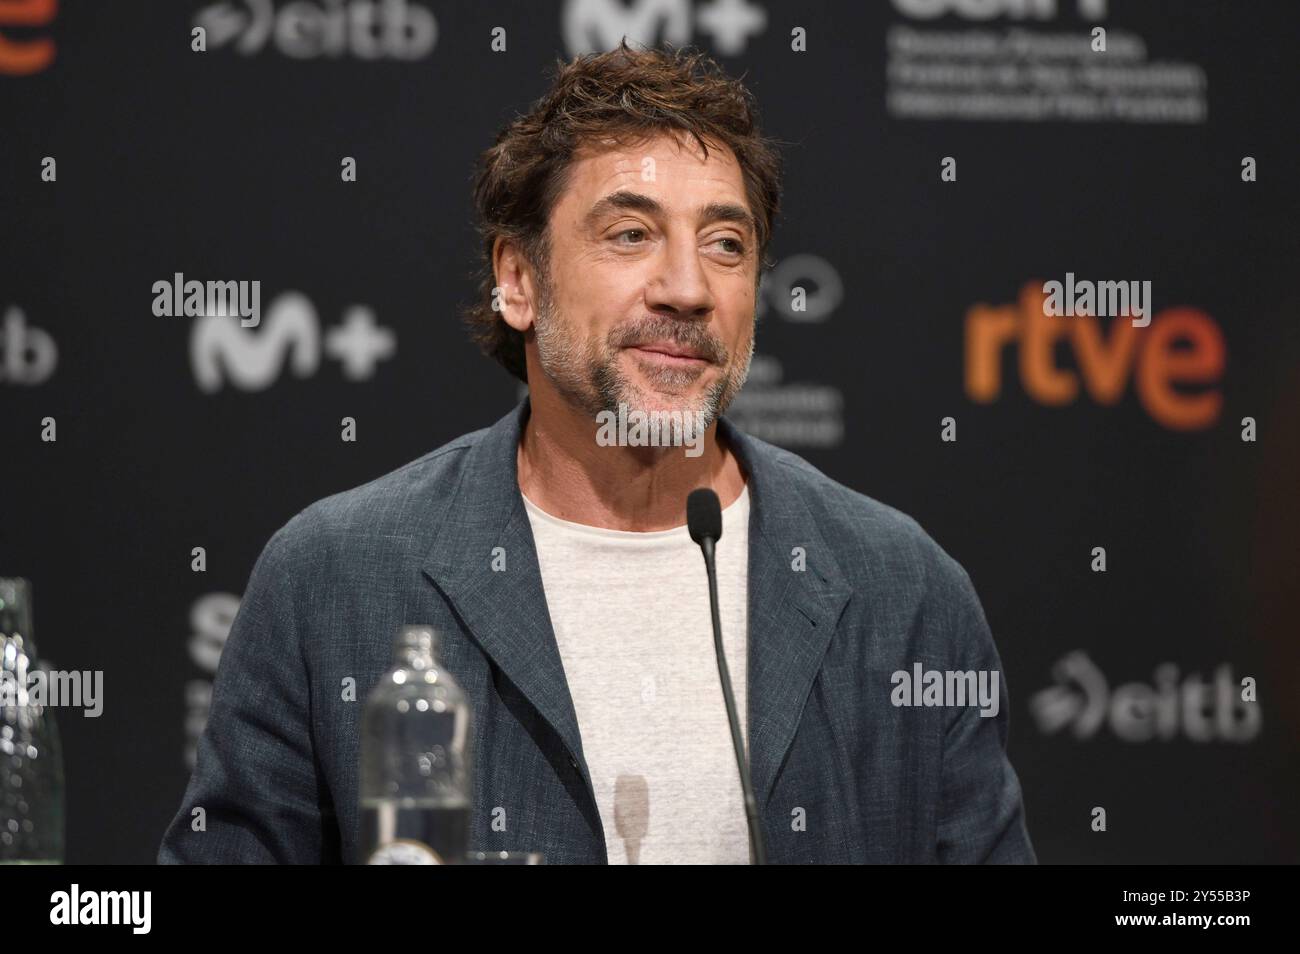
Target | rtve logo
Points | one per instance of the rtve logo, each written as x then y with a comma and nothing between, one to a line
22,57
1180,350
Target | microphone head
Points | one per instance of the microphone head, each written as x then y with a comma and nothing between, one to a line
704,515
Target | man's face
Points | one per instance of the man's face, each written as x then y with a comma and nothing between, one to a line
650,292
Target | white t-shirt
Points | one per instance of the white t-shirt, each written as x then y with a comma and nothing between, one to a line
631,617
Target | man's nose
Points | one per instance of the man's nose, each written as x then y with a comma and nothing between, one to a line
680,284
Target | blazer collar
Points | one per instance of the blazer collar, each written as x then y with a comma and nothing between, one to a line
796,589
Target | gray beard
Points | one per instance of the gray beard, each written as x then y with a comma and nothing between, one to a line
589,378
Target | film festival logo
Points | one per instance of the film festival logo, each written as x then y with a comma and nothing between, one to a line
365,29
988,9
802,288
975,61
595,26
1198,709
788,413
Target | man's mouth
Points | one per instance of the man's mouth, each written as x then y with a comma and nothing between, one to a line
670,354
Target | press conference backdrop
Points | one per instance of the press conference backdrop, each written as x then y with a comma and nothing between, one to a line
1122,493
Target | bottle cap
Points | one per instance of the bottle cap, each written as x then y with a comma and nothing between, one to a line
15,608
423,638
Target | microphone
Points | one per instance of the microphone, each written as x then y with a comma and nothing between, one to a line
704,520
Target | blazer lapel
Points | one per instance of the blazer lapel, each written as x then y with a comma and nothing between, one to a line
792,612
505,610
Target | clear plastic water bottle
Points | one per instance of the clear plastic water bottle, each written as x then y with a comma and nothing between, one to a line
415,760
31,760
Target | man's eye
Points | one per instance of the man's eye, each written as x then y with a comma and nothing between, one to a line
620,235
738,247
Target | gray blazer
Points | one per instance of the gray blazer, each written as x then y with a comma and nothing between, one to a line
840,773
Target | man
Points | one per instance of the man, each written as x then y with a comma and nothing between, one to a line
625,219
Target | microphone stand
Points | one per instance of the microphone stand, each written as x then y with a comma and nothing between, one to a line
757,850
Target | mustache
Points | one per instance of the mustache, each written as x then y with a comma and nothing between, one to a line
696,337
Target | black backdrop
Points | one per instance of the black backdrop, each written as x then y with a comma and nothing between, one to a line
225,164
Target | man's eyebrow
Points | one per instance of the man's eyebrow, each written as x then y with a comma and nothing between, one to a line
727,212
623,200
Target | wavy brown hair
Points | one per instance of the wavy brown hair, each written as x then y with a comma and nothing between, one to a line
627,96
